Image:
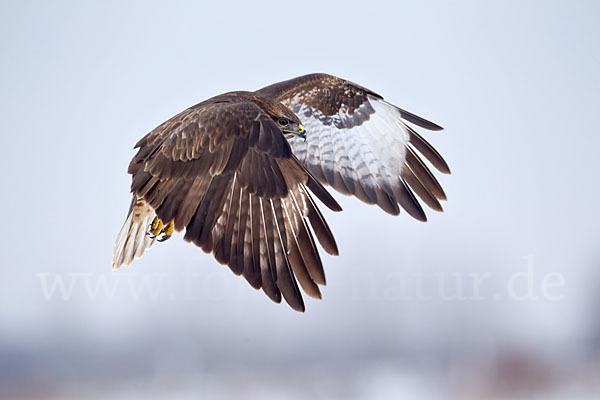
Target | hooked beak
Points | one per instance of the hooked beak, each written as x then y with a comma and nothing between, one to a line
300,132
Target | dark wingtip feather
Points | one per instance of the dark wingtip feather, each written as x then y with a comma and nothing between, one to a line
322,194
422,122
423,174
428,151
299,309
297,304
423,192
409,203
321,229
387,202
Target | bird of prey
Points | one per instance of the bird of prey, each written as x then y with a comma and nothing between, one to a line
239,173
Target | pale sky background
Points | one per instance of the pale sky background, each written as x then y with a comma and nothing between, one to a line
516,86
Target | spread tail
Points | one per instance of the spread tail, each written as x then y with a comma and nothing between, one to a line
134,239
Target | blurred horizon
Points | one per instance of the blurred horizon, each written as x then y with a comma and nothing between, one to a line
494,298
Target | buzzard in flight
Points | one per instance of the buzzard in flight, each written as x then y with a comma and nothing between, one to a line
239,172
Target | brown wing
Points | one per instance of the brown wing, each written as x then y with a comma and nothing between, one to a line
223,171
360,144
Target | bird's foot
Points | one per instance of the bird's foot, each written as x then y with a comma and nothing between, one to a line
157,227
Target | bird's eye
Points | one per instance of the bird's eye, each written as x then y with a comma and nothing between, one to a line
283,121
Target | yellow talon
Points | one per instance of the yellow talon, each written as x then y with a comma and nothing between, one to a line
168,231
154,223
156,227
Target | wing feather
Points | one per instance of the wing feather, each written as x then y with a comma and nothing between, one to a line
285,280
419,188
318,224
224,173
267,259
295,255
360,144
424,174
428,151
306,243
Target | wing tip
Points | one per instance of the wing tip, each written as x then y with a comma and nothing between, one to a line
421,217
322,194
333,251
419,121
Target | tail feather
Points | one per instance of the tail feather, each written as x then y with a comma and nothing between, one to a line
133,239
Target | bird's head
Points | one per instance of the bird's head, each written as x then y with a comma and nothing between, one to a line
291,127
288,122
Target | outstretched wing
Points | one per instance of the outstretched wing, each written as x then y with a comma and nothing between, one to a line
362,145
223,171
